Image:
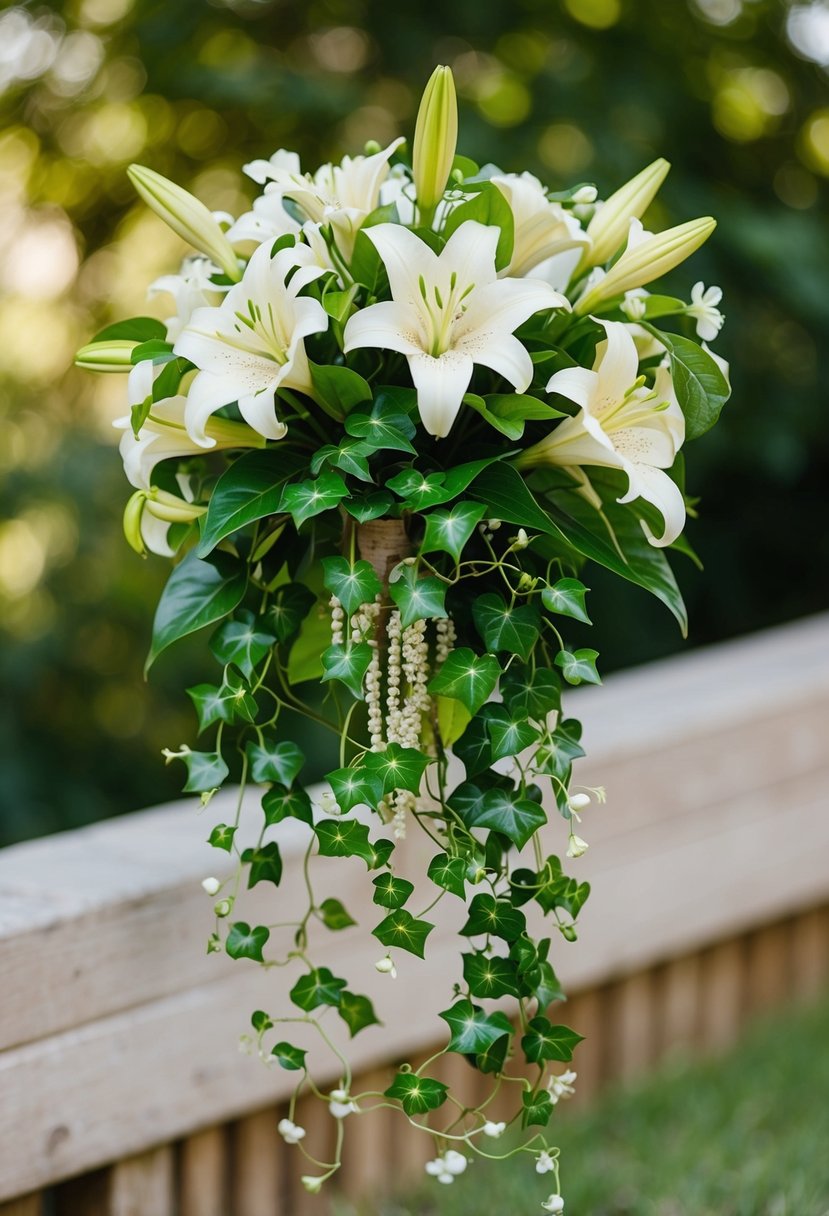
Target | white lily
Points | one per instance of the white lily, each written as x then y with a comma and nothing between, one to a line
341,195
267,220
163,436
448,312
191,289
253,343
703,308
542,228
621,424
187,216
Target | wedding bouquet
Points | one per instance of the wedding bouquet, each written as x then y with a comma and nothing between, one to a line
397,408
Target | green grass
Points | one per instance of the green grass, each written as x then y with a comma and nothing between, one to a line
745,1135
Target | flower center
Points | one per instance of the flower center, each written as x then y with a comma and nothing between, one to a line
443,309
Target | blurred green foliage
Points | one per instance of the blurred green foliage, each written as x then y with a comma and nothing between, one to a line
733,92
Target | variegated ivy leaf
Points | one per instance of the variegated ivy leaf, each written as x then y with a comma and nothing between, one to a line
505,627
554,889
357,1012
355,787
243,641
473,1030
246,942
205,770
347,838
448,531
404,931
531,694
319,987
274,761
397,768
488,976
449,873
417,1094
468,677
281,803
543,1041
566,597
418,599
291,604
353,585
579,666
348,664
422,490
493,917
306,499
265,864
503,811
391,892
230,702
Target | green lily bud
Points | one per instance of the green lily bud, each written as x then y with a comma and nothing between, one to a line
186,216
653,257
609,227
171,509
132,522
436,137
105,356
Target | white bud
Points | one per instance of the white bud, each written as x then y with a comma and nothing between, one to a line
493,524
522,540
576,847
211,885
494,1130
554,1204
312,1184
386,967
223,907
453,1162
544,1163
585,194
578,802
290,1132
633,306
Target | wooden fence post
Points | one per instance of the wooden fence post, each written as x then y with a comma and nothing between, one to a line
143,1186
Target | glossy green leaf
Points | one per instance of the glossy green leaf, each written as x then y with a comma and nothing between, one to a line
487,206
579,666
448,873
471,1029
355,787
280,803
385,427
133,329
221,837
503,811
495,917
319,987
543,1041
532,694
700,386
373,505
405,932
397,768
505,627
357,1012
509,737
509,412
339,388
265,864
448,531
249,489
289,1057
334,916
197,594
306,499
275,761
205,771
391,892
566,597
290,606
229,702
488,976
353,585
246,942
417,598
347,838
244,641
348,664
349,456
416,1094
422,490
468,677
538,1109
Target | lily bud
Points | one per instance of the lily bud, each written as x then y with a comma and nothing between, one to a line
608,228
646,261
132,521
171,509
105,356
436,136
187,216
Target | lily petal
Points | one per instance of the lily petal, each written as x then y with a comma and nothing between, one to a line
618,361
577,384
387,325
441,384
657,488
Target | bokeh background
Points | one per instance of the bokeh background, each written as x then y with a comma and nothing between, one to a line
733,92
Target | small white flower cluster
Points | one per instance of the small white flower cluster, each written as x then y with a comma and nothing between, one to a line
544,1163
337,621
408,662
493,1130
340,1104
290,1132
370,614
562,1086
445,637
448,1167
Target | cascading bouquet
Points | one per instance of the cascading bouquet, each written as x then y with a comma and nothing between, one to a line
396,410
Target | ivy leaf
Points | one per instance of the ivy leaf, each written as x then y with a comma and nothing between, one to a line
221,837
197,594
487,206
538,1108
495,917
355,787
405,931
357,1012
547,988
453,720
566,597
261,1021
397,768
369,506
272,761
448,531
348,664
448,873
244,942
347,838
474,747
352,585
205,770
230,702
489,976
556,755
339,388
516,818
508,412
265,864
468,677
391,892
423,490
579,666
380,852
243,641
493,1059
555,890
289,1057
349,456
249,489
417,1095
472,1030
306,499
700,386
543,1041
291,605
319,987
334,916
503,627
417,598
386,428
509,737
281,803
531,694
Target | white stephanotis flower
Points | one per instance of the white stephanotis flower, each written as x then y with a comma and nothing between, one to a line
449,311
493,1130
290,1132
562,1086
703,308
542,228
621,424
253,343
163,436
544,1163
340,1105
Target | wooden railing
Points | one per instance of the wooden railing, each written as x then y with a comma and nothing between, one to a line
121,1089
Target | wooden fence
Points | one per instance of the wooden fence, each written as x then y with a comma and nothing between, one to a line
121,1089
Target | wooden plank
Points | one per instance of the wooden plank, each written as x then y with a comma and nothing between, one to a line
203,1174
631,1026
368,1143
769,968
723,994
84,1196
256,1179
587,1014
144,1185
29,1205
680,1001
319,1141
810,954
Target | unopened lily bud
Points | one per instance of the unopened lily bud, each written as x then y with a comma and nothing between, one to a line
171,509
187,216
522,540
646,261
223,907
211,885
633,306
585,195
609,227
576,847
132,521
111,356
436,137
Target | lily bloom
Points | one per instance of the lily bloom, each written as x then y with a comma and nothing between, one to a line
621,424
449,311
253,343
542,228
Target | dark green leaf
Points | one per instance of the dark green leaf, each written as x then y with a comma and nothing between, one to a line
391,892
509,737
272,761
353,585
355,787
333,915
289,1057
503,811
205,770
543,1041
472,1030
566,597
221,837
422,490
538,1108
488,206
448,531
347,838
306,499
349,456
261,1021
449,873
417,1095
281,803
244,942
348,664
474,747
243,641
134,329
579,666
291,605
505,627
369,506
700,386
339,388
404,931
357,1012
468,677
249,489
397,768
385,427
318,987
489,976
265,864
197,594
417,598
533,694
495,917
